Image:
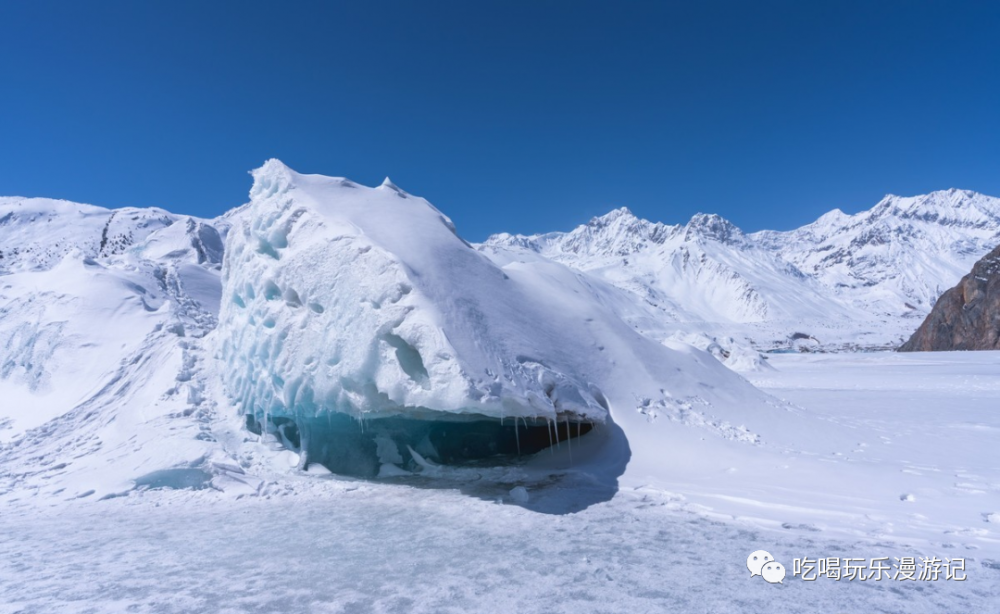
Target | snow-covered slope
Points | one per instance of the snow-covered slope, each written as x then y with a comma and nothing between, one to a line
864,279
101,312
899,256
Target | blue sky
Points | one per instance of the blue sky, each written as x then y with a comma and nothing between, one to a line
509,116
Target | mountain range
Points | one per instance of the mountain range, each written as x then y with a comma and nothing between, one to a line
863,281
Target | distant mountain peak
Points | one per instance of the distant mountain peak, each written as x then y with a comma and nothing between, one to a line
712,226
952,207
883,266
621,214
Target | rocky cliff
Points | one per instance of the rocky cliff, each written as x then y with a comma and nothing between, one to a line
967,317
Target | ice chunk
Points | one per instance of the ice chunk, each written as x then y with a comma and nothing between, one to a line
519,494
178,478
404,317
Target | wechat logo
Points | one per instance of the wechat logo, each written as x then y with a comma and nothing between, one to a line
761,563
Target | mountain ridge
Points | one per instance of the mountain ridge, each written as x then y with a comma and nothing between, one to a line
848,280
880,268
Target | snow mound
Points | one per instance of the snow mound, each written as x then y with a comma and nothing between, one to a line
740,356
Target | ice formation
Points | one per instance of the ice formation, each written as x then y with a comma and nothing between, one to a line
358,329
357,314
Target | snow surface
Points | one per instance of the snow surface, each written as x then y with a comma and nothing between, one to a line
342,545
134,339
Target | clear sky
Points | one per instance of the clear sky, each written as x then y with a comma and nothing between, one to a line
520,116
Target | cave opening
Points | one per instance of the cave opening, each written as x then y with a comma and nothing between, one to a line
372,447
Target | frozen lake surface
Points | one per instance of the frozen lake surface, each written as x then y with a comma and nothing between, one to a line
324,544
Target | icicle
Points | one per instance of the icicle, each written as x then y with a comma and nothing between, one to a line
555,427
548,429
303,445
569,446
517,438
263,427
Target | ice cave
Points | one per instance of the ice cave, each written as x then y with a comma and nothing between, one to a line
339,341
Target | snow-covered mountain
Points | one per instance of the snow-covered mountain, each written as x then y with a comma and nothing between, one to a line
898,256
39,232
864,279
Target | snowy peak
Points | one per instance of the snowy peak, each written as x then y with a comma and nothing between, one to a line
617,233
387,184
953,207
714,227
621,215
912,248
620,233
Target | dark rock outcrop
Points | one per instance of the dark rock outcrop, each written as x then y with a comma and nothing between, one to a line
967,317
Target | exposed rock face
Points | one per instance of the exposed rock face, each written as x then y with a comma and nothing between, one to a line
967,317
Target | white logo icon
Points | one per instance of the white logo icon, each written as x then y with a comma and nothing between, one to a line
761,563
773,572
756,560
